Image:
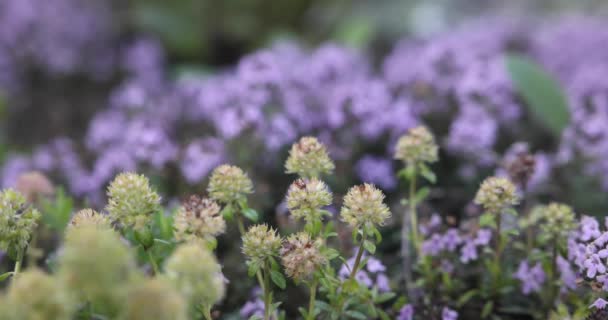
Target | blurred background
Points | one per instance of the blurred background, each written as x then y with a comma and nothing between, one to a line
174,88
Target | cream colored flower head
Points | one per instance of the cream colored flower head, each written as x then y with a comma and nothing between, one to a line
559,219
199,219
131,200
261,242
364,206
90,218
417,146
301,256
155,299
18,220
308,158
229,184
195,272
496,194
306,197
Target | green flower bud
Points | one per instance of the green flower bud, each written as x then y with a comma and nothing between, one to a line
199,219
301,256
90,218
95,265
308,158
496,194
229,184
34,295
559,219
364,206
196,273
306,197
18,220
417,146
155,299
131,201
261,242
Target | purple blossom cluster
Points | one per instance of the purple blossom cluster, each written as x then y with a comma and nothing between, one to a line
588,250
531,278
407,313
372,276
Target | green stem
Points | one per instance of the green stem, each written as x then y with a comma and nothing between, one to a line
153,262
267,296
498,244
311,303
554,287
353,272
240,223
18,262
206,311
414,215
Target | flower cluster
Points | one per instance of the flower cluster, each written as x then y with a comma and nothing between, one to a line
198,219
18,220
308,158
372,276
301,256
131,200
229,184
417,146
305,198
261,242
496,194
90,218
364,206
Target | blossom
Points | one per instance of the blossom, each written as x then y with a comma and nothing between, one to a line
308,158
155,299
261,242
406,312
229,184
448,314
306,197
599,304
90,218
496,194
301,256
532,279
417,146
18,220
131,200
199,218
363,205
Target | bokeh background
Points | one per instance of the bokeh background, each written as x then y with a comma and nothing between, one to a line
173,88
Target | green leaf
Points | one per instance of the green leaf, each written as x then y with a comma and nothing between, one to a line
421,195
228,213
487,220
278,279
487,309
428,174
466,297
251,214
369,246
540,91
5,275
356,315
384,297
252,268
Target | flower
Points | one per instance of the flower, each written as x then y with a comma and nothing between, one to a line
229,184
196,273
131,200
95,265
90,218
559,220
417,146
306,197
364,206
199,218
406,312
308,158
531,279
599,304
372,276
261,242
18,220
448,314
496,194
37,295
155,299
301,256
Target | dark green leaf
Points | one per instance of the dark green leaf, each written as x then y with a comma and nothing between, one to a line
5,275
369,246
487,309
251,214
278,279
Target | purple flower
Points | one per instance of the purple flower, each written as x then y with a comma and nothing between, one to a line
483,237
406,312
448,314
200,157
532,279
468,252
451,239
377,170
567,275
599,304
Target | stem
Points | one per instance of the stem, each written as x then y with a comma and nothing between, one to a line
17,268
414,215
311,303
240,223
554,288
353,272
267,296
206,311
498,244
153,262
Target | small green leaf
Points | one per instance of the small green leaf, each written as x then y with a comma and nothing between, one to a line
5,275
251,214
466,297
428,174
384,297
421,195
540,91
356,315
253,268
278,279
487,309
228,213
487,220
369,246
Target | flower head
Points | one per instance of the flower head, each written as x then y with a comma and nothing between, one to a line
155,299
301,256
199,218
496,194
363,205
306,197
90,218
229,184
196,273
417,146
131,200
261,242
37,295
308,158
559,219
95,265
18,220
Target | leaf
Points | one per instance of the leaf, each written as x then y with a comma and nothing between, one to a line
487,308
487,220
278,279
228,213
421,195
428,174
369,246
5,275
356,315
253,268
540,91
251,214
384,297
466,297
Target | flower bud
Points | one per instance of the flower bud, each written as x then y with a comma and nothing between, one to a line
131,200
196,273
36,295
95,265
301,256
559,219
306,197
261,242
18,220
417,146
496,194
364,206
308,158
199,219
155,299
229,184
90,218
